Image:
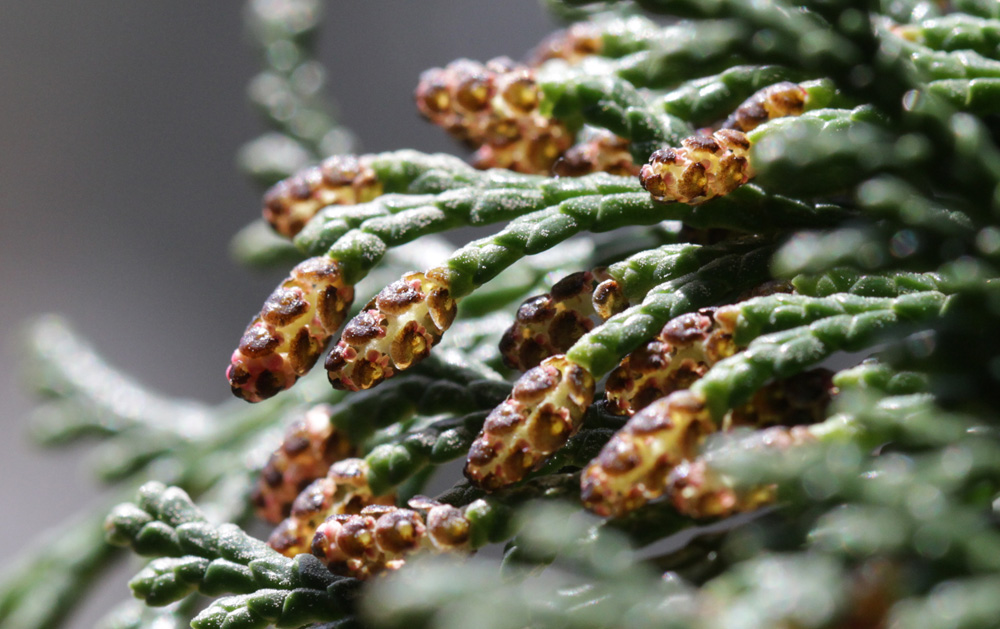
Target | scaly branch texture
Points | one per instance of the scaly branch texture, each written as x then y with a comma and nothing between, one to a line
195,555
743,260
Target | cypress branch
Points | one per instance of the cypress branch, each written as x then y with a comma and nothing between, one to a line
602,348
867,131
783,354
196,555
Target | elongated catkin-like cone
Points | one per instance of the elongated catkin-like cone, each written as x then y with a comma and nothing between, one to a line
380,538
310,446
344,490
682,352
571,44
698,490
410,315
632,468
612,35
494,107
339,180
797,401
395,330
774,101
543,411
284,341
704,167
657,448
782,412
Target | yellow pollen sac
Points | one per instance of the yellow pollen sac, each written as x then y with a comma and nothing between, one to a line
774,101
284,341
703,168
543,411
339,180
394,331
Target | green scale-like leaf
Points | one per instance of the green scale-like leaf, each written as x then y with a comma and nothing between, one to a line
613,104
601,349
732,381
218,559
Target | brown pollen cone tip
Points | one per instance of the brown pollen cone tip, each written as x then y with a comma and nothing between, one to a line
342,491
284,341
338,180
381,537
775,101
632,468
494,107
545,408
683,351
394,331
702,168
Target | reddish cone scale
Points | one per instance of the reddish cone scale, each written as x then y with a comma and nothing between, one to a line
380,538
339,180
284,341
344,490
310,446
394,331
543,411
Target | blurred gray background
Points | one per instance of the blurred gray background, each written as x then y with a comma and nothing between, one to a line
119,123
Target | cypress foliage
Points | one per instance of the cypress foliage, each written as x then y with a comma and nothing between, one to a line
763,394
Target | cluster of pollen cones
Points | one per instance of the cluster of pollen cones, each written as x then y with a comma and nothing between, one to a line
315,488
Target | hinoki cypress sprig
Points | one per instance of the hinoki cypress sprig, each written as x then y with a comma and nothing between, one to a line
411,315
772,226
215,560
